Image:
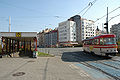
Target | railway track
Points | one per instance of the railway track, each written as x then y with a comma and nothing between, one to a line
92,59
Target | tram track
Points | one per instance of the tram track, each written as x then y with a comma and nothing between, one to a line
85,63
93,67
105,61
108,65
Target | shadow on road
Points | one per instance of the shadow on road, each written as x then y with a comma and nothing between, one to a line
80,56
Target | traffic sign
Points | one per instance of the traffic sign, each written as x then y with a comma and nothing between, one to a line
18,34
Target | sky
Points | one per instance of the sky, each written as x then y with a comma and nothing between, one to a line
36,15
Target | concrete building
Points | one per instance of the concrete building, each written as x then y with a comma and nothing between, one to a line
37,40
77,20
115,29
87,29
41,37
51,38
67,32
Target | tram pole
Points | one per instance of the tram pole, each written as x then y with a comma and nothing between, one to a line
106,22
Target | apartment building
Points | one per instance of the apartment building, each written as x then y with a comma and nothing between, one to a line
51,38
87,29
77,20
115,29
41,37
67,33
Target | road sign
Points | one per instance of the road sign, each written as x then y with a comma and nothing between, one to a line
18,34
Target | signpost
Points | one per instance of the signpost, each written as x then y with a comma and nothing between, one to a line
18,34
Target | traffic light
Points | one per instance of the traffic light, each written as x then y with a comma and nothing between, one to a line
106,27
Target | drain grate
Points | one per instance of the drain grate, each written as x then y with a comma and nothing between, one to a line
19,74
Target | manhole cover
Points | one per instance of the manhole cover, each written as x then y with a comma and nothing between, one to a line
31,61
19,74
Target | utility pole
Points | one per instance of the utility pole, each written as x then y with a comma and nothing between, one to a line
106,22
9,24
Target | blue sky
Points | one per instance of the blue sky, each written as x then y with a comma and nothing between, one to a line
36,15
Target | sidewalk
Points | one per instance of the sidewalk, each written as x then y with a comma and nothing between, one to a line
42,68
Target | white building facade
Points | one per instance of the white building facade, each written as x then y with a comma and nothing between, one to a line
88,28
115,29
67,31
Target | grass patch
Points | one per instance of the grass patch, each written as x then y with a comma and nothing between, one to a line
41,54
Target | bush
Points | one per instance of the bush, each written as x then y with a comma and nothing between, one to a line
41,54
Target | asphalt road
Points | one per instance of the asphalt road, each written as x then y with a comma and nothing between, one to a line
68,64
59,51
99,67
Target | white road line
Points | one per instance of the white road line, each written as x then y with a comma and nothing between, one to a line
79,70
73,66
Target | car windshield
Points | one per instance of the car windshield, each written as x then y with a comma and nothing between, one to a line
109,41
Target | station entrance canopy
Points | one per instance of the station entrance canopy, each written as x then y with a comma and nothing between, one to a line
21,36
13,41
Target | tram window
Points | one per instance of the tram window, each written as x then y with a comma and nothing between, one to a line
93,42
85,42
101,41
96,41
109,41
90,43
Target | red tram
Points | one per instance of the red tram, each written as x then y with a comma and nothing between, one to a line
101,45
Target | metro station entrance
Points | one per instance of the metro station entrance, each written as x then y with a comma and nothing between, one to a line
18,44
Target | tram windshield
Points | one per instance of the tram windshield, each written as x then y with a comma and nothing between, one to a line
109,40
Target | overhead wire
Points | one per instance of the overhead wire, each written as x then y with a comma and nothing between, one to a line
87,7
114,17
108,13
83,9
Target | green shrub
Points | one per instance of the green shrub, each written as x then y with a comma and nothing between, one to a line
41,54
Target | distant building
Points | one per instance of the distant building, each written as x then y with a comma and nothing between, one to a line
115,29
98,31
41,37
88,28
77,20
51,38
67,33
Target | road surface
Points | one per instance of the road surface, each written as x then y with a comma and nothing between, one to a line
68,64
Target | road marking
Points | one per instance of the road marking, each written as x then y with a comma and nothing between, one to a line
80,71
92,72
73,66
